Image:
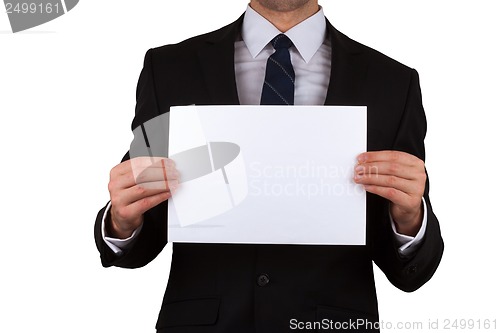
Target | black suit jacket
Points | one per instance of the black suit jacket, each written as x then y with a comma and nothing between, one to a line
213,287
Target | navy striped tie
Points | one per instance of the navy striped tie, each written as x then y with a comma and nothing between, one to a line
279,84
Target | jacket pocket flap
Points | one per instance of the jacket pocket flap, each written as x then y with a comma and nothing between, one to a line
189,312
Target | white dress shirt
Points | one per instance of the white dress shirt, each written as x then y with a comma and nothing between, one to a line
310,56
311,60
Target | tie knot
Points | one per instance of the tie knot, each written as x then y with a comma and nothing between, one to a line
281,42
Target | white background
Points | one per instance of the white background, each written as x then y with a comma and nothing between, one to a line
67,91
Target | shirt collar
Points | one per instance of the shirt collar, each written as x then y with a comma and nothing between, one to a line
307,36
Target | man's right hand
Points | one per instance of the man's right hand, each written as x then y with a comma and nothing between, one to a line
135,186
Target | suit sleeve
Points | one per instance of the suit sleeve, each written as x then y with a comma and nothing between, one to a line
410,273
153,236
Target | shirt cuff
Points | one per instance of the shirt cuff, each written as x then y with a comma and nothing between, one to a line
408,244
116,244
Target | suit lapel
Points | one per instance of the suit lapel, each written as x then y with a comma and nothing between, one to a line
347,77
348,71
217,63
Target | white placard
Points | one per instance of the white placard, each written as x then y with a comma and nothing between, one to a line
267,174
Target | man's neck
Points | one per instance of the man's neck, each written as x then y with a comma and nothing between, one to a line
285,20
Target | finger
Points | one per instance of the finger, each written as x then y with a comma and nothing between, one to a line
139,163
389,156
162,185
155,173
162,169
390,169
141,206
139,192
129,173
395,196
118,182
409,187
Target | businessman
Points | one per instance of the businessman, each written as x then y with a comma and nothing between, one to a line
281,52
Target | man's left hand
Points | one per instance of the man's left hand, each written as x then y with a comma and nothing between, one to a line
398,177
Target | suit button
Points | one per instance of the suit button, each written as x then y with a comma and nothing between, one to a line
412,270
263,280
